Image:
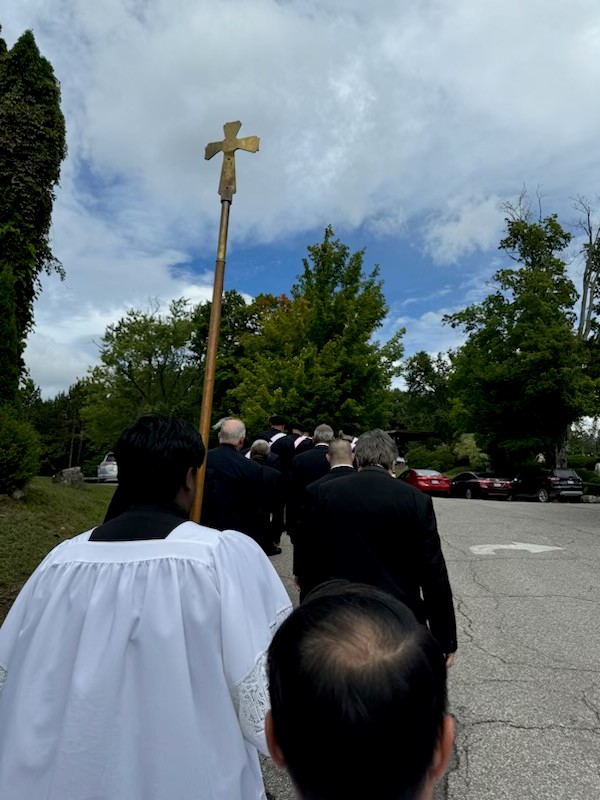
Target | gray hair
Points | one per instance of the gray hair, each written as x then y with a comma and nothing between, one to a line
376,448
323,434
260,448
231,430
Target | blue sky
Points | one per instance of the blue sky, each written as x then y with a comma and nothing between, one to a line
403,125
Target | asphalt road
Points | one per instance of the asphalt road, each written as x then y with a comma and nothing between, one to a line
525,686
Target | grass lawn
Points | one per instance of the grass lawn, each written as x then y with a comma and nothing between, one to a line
30,528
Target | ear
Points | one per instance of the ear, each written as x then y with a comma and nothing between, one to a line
443,748
190,479
272,743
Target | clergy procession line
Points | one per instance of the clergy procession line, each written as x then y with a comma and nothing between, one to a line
153,658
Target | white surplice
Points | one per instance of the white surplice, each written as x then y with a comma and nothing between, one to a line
136,670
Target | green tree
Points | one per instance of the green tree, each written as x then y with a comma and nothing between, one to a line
240,321
60,428
147,366
315,357
396,415
468,454
518,380
19,450
426,456
427,393
32,148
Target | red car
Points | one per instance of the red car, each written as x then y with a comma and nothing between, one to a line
429,481
480,484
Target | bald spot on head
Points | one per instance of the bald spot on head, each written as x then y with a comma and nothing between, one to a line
231,431
360,646
340,452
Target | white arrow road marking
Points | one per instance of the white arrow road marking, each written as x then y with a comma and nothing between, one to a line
490,549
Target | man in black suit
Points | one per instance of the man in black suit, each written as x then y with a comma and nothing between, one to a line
232,486
306,468
340,459
272,492
281,448
275,432
377,530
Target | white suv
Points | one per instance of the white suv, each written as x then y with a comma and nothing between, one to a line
107,469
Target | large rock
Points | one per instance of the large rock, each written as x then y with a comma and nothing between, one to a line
73,476
590,498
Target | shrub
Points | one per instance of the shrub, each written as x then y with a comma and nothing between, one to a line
19,451
578,462
421,457
588,475
468,453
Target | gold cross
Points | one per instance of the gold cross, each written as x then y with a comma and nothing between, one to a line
229,145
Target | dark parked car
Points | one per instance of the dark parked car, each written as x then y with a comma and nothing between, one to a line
548,484
429,481
480,484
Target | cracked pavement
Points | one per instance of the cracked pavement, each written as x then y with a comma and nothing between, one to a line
525,686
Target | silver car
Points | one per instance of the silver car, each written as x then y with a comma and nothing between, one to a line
107,469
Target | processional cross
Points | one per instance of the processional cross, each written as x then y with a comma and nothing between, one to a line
227,189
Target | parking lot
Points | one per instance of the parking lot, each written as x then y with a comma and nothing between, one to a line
525,687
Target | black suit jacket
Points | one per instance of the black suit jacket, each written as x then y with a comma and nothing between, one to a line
270,499
302,563
378,530
232,490
306,468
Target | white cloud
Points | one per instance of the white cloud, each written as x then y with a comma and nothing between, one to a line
428,332
410,119
465,225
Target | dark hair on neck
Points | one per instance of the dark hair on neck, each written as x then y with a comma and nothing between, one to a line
358,695
154,455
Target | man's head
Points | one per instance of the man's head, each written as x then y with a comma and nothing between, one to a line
340,452
260,449
278,422
323,434
232,431
376,448
358,698
158,457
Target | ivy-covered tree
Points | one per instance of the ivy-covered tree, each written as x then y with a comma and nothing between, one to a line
9,341
518,379
315,357
32,148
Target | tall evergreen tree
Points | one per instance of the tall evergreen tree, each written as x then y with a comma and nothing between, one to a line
32,147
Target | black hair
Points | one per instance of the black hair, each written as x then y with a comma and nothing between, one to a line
358,695
154,455
277,419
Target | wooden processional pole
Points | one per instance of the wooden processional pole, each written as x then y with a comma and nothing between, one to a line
227,189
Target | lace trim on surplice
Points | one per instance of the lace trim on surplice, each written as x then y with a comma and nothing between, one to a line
251,698
251,693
